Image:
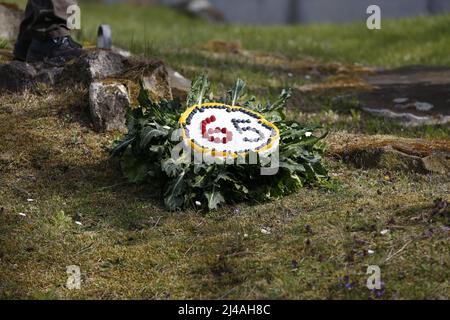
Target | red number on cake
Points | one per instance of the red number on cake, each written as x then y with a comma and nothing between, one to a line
210,133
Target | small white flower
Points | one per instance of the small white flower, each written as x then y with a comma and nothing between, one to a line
245,235
370,251
308,134
265,231
78,223
198,203
385,231
30,200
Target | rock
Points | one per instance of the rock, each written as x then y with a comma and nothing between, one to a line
10,18
108,103
392,153
124,53
17,76
400,100
156,81
423,106
179,85
49,75
95,65
102,71
202,9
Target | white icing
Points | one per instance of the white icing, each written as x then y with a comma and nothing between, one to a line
224,119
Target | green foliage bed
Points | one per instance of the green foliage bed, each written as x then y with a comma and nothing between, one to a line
145,153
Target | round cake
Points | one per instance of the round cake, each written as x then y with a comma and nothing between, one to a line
223,131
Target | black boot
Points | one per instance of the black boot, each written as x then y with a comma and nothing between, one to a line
21,50
57,50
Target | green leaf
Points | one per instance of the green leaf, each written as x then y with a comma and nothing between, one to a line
274,112
175,194
280,103
292,165
214,198
200,88
175,167
235,93
150,132
121,146
134,169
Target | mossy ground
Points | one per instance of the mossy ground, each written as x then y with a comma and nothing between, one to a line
319,240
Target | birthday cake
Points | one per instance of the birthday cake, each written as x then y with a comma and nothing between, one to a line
227,131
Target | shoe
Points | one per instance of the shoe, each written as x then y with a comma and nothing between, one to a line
55,50
21,50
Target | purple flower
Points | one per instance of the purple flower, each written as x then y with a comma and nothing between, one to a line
379,292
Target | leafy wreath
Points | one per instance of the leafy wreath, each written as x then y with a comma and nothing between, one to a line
146,151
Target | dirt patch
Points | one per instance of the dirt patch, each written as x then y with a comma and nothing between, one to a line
223,47
336,84
392,153
305,67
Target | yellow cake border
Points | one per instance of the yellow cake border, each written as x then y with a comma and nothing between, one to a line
214,153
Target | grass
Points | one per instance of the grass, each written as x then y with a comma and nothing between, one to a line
3,43
159,30
128,246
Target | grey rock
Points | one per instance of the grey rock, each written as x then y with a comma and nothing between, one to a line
17,76
400,100
10,18
203,9
179,85
124,53
423,106
156,82
48,75
95,65
108,103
